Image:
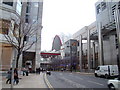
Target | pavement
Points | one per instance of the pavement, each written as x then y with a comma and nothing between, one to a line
31,81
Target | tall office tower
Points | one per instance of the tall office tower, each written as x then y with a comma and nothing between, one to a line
32,14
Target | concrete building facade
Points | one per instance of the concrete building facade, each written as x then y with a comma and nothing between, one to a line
32,13
100,37
69,55
9,14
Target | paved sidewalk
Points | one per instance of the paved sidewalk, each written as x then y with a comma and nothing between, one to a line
31,81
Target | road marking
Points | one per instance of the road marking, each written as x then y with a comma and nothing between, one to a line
48,83
96,83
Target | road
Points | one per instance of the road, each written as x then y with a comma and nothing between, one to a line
75,80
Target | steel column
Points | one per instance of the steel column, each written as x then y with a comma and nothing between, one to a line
93,44
88,49
100,39
80,52
117,22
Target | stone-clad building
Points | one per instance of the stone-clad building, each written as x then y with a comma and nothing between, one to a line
9,11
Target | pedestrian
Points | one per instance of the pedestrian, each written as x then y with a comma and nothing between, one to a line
24,70
16,78
39,70
27,72
9,75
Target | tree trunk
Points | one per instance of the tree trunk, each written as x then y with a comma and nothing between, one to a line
17,59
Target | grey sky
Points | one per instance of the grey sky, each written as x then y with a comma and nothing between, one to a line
67,16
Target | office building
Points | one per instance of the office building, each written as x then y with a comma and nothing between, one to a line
9,17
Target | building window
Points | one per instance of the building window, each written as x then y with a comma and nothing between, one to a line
27,9
113,12
4,31
4,26
28,3
27,19
98,9
103,5
78,53
78,44
116,41
36,4
19,7
26,38
8,3
119,5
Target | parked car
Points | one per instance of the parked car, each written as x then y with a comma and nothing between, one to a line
106,71
48,72
114,84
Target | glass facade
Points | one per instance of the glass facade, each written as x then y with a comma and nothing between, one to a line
18,7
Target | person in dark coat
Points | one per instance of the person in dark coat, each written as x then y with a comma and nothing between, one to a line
16,79
9,75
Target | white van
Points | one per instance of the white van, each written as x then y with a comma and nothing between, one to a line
106,70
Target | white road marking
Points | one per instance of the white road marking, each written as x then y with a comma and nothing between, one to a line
96,83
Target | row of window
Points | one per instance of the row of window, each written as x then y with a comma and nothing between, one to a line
18,7
27,19
100,7
8,3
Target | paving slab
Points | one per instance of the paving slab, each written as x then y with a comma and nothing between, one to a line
31,81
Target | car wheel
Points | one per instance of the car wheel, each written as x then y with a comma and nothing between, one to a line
111,87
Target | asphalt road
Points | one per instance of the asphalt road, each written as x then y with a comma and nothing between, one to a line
75,80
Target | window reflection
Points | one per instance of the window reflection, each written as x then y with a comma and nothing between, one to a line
18,7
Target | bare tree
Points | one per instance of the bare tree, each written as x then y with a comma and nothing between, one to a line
19,33
64,37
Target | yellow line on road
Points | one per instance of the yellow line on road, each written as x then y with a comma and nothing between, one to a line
48,83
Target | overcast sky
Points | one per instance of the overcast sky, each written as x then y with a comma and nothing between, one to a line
65,16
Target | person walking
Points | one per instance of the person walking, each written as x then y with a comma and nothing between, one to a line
39,70
16,78
9,75
24,71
